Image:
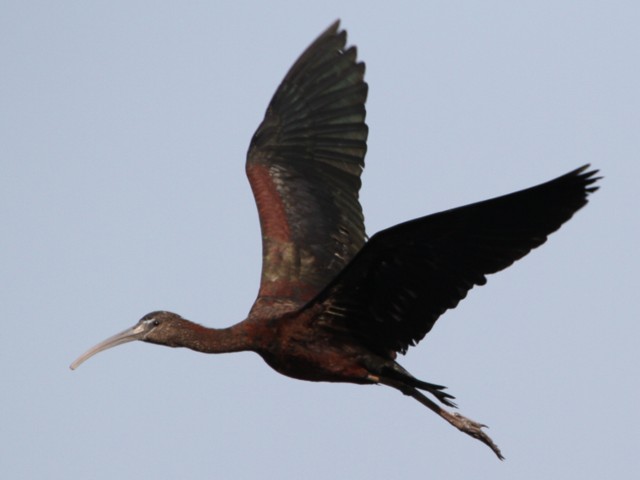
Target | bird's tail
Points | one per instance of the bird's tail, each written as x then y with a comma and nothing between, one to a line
403,380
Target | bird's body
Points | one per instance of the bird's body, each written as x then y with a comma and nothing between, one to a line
294,343
332,305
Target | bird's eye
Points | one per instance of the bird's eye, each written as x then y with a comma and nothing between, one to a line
156,323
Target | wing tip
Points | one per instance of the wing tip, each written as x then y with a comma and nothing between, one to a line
332,30
587,177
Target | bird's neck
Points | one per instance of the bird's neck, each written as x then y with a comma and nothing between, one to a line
213,340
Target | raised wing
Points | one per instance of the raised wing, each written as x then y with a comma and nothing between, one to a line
304,165
405,277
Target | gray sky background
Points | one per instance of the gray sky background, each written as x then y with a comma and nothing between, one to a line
123,132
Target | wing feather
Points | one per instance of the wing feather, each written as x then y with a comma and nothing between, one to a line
405,277
304,165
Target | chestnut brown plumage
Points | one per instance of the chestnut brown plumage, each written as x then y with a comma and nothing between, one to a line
333,306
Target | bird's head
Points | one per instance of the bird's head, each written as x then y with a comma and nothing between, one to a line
156,327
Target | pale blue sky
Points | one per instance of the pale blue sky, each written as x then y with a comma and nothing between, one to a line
123,130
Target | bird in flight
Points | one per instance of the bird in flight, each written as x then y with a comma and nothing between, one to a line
333,305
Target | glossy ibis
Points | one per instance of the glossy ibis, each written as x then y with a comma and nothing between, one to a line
333,306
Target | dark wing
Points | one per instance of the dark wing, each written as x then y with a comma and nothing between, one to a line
304,165
405,277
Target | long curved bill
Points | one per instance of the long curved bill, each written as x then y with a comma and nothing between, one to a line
129,335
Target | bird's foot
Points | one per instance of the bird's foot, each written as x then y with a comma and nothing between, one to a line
473,429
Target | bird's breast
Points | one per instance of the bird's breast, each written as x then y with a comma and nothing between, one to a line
317,361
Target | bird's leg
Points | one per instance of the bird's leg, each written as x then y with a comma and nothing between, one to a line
462,423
